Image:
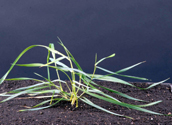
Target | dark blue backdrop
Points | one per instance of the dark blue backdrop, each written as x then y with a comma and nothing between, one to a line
135,30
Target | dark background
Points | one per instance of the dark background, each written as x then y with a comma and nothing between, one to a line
136,30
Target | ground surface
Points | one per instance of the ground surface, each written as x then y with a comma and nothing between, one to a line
61,114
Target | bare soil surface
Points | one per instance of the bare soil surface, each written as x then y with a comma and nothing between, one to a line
63,114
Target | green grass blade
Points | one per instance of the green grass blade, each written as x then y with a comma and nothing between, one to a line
113,73
22,92
102,93
73,69
92,89
103,109
48,56
54,51
122,94
155,84
112,55
111,79
51,45
44,102
31,65
50,82
130,67
54,61
150,104
136,107
133,77
28,87
4,94
81,84
58,63
35,109
21,78
59,68
21,54
35,85
116,92
71,56
45,91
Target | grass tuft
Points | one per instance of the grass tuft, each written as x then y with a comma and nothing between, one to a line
76,89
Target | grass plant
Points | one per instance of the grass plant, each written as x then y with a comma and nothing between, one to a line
77,88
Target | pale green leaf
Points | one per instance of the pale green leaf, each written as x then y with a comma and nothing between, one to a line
130,67
113,73
112,55
103,109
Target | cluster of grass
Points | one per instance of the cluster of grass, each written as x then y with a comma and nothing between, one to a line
77,89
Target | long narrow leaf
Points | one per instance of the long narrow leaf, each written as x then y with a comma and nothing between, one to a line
111,79
45,91
130,67
48,69
122,94
155,84
136,107
22,78
31,65
114,91
113,73
20,93
73,69
58,63
44,102
72,58
54,61
103,109
95,90
35,109
23,52
112,55
36,85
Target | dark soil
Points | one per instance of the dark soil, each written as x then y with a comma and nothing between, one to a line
63,114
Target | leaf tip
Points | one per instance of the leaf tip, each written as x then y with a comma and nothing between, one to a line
20,110
112,55
144,61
